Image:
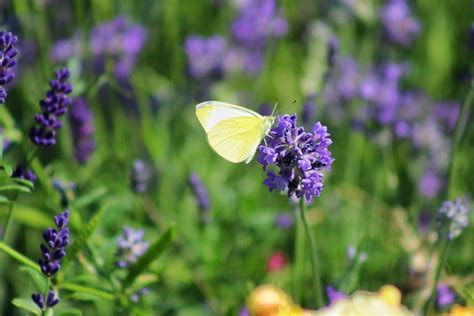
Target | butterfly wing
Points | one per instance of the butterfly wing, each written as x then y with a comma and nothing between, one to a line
211,113
236,139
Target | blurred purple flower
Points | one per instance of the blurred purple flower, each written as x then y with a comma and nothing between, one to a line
334,295
244,312
137,296
140,176
284,220
82,130
445,296
258,21
447,114
429,184
7,61
400,26
120,41
131,246
52,107
201,195
300,157
205,56
6,141
332,50
265,109
307,114
453,218
65,49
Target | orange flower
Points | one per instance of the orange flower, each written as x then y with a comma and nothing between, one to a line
457,310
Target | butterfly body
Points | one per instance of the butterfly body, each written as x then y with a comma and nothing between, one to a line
233,132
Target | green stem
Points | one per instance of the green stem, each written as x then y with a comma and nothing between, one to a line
317,285
298,270
458,135
443,256
9,217
46,291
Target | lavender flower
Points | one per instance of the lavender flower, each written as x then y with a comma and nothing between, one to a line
430,184
332,49
400,26
201,194
65,49
141,176
452,218
55,105
139,294
334,295
51,300
130,246
82,130
7,61
205,56
56,241
299,155
257,21
445,296
21,172
447,114
119,41
307,113
284,220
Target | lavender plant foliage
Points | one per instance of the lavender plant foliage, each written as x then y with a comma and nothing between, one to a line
399,24
205,56
130,246
54,248
53,106
82,130
7,61
453,218
21,172
299,156
51,300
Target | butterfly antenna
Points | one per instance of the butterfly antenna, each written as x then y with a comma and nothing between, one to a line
274,108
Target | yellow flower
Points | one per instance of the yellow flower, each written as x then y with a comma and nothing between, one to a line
268,300
457,310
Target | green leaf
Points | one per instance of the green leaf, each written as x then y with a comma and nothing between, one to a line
29,305
4,200
89,292
69,312
36,276
155,250
14,187
80,241
89,198
8,170
18,256
32,217
24,182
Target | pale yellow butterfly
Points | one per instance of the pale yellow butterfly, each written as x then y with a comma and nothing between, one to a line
234,132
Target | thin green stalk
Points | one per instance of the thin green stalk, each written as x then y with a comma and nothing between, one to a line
8,220
443,256
317,284
298,269
458,135
18,256
46,291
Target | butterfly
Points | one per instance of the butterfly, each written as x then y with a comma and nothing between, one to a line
234,132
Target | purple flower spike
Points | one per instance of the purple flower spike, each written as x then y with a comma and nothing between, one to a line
453,218
401,27
141,176
131,246
205,56
52,107
300,157
23,173
200,192
82,130
56,241
7,61
51,300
